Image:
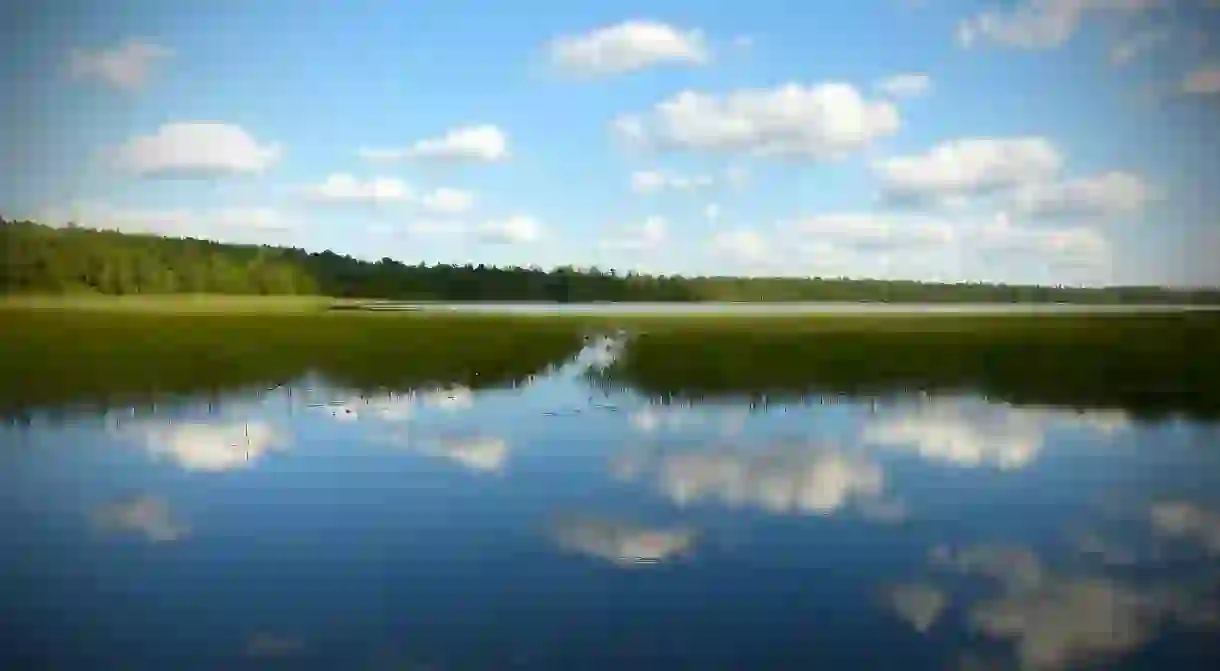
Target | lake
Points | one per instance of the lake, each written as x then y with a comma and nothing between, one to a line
557,523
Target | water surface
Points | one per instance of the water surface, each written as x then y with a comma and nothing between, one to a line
549,525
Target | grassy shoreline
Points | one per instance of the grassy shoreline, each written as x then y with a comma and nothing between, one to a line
55,353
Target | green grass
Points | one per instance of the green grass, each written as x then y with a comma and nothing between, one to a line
1148,364
112,350
62,356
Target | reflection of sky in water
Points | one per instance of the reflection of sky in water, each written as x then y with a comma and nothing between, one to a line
321,528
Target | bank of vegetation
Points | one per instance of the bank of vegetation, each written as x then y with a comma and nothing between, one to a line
40,259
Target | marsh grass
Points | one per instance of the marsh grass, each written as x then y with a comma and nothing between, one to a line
1151,364
64,356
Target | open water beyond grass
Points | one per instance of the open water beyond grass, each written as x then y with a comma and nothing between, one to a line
403,492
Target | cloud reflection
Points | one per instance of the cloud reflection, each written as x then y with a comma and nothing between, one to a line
1187,521
482,454
396,407
810,479
199,446
623,544
918,604
1057,622
969,433
149,516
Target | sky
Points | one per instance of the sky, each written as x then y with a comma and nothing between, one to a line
1046,141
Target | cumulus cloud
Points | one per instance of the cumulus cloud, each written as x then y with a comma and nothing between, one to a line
875,230
237,224
801,480
346,188
743,245
517,229
1202,81
907,85
127,66
195,149
649,234
1076,243
626,47
447,201
1038,24
485,143
1107,194
822,121
653,181
213,448
918,604
967,167
623,544
149,516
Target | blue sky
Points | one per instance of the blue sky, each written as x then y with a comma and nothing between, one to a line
1060,141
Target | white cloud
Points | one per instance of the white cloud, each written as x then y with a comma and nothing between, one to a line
969,166
1070,243
516,229
195,149
480,143
210,447
822,121
963,434
740,244
626,47
653,181
805,480
447,201
623,544
239,224
649,234
1111,193
905,85
1202,81
918,604
874,230
126,66
346,188
1133,46
149,516
1038,24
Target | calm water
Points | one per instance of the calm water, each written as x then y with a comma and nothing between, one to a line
552,527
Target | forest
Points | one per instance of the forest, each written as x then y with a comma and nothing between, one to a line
41,259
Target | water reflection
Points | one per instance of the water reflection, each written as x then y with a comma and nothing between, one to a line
914,532
145,515
621,543
208,447
969,432
813,479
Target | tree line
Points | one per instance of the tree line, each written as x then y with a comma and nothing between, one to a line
37,258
